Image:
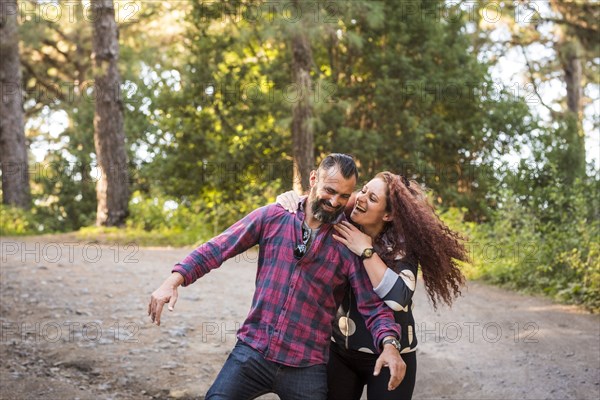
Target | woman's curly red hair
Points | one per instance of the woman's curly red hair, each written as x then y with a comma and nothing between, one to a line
419,235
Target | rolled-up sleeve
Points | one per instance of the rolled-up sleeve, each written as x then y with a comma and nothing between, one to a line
397,289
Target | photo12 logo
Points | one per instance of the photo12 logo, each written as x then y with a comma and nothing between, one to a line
69,331
67,252
218,331
318,92
488,332
273,11
71,11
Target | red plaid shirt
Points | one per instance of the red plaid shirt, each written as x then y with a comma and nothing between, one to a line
295,301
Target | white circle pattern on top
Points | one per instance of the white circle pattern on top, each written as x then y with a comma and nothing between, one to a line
347,326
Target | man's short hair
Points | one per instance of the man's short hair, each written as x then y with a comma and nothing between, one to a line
344,162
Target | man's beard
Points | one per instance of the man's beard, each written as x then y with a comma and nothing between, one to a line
326,217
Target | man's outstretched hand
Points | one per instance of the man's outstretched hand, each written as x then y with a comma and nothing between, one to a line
390,357
166,293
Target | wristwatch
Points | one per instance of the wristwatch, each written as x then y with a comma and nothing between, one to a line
367,253
394,342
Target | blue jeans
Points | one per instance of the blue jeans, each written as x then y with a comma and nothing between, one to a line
247,375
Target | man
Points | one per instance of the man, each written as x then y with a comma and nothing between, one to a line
302,271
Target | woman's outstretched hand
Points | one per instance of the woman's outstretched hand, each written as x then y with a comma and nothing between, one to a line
289,201
353,238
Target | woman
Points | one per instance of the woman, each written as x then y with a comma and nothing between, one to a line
390,215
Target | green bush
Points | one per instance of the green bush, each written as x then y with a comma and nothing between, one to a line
455,219
159,220
549,247
15,222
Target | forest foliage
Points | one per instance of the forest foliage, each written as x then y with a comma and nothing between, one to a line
208,92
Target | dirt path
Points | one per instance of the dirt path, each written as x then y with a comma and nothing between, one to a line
73,326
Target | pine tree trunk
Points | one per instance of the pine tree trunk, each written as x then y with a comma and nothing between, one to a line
13,147
112,188
573,75
574,160
302,128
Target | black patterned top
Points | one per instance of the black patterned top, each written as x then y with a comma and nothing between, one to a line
396,290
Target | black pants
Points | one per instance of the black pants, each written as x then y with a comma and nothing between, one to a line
348,371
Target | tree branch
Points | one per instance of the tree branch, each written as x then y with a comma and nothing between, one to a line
54,45
533,82
57,29
56,92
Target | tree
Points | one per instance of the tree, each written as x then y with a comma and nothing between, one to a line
399,93
226,137
412,97
112,188
577,43
567,33
302,111
58,79
13,146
